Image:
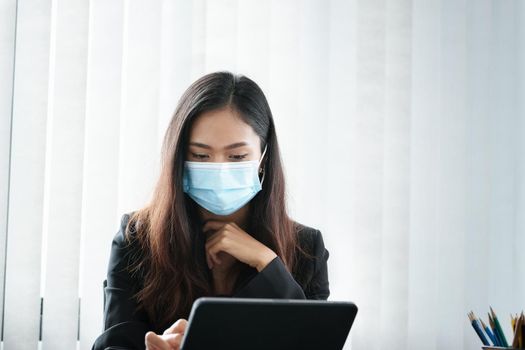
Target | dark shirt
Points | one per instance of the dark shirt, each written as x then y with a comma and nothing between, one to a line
124,329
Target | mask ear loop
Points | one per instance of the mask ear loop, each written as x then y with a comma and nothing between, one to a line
260,160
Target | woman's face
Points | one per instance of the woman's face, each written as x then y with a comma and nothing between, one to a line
222,136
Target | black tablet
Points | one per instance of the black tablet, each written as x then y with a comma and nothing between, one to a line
217,323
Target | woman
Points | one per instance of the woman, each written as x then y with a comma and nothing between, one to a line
216,225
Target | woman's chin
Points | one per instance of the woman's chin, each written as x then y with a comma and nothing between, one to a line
207,215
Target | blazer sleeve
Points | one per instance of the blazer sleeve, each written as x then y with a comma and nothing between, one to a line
319,287
275,281
123,327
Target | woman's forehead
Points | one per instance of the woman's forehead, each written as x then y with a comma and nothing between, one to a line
222,128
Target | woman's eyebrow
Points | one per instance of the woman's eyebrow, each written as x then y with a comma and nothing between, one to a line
233,145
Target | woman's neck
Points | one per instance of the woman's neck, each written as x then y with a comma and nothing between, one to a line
240,217
224,280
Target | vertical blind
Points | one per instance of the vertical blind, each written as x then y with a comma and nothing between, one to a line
401,123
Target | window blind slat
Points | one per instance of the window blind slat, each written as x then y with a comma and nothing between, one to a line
176,59
140,104
283,88
7,57
101,160
367,134
424,155
63,194
22,293
504,156
394,266
221,35
253,40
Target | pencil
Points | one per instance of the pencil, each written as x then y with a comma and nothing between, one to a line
519,334
522,333
477,328
519,337
515,326
489,332
494,331
499,329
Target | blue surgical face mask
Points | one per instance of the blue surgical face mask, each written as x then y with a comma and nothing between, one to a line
222,188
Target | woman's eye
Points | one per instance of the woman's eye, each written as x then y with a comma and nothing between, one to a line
239,156
199,156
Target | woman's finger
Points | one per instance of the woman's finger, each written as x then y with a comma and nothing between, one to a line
209,249
213,260
221,236
153,341
214,225
174,340
211,238
178,327
216,249
209,261
214,237
217,236
213,251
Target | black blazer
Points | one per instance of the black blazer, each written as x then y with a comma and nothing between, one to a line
125,330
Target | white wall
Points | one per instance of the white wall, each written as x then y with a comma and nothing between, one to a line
402,127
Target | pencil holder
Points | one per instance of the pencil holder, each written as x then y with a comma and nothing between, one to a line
497,348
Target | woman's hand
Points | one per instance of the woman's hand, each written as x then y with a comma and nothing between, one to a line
171,339
231,239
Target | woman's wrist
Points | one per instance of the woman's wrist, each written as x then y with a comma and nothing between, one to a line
266,257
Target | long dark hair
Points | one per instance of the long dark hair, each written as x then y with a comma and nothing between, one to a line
172,258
